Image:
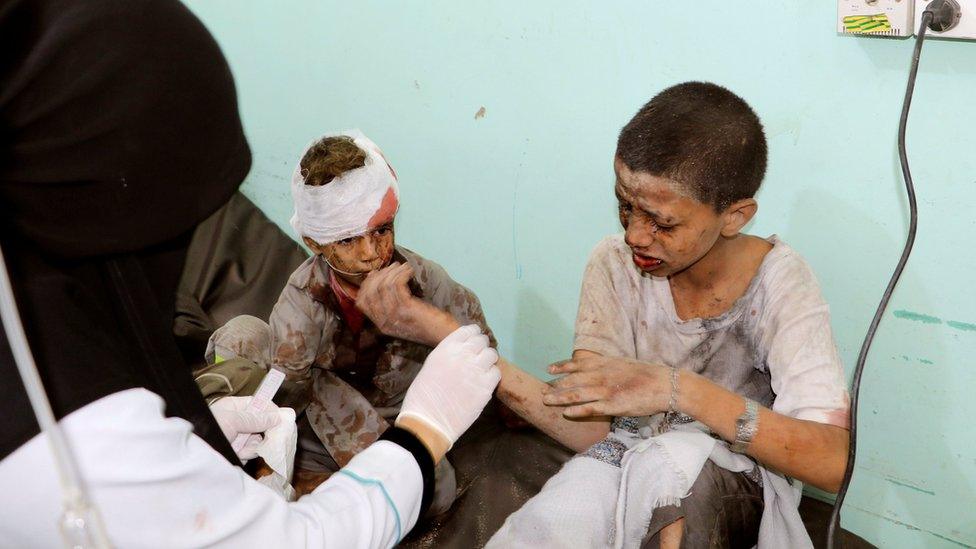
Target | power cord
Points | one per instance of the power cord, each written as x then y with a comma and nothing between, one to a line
939,16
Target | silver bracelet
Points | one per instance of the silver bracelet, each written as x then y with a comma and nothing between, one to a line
746,427
673,401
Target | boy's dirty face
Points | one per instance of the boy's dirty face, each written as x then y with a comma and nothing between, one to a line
354,258
667,230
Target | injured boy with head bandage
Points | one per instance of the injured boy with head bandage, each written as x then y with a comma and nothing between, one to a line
345,377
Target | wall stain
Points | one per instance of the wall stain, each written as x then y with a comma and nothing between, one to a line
917,317
907,358
961,325
929,319
910,486
910,527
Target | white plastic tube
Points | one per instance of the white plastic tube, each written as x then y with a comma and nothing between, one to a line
80,524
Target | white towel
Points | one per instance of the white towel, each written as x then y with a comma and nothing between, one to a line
589,503
657,472
278,451
660,471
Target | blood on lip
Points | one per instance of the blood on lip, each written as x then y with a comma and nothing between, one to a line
646,262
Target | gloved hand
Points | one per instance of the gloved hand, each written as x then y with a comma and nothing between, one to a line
234,419
456,382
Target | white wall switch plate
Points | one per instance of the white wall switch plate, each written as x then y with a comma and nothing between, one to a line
966,28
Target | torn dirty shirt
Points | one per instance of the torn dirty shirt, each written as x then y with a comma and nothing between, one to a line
774,345
351,382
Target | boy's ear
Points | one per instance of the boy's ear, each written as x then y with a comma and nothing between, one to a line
737,215
313,245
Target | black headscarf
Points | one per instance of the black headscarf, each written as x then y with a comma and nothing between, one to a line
119,132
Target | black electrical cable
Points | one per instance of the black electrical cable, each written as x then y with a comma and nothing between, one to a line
912,228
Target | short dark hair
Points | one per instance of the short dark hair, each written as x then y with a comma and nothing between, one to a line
701,135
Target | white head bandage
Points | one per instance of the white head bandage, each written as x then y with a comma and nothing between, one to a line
344,207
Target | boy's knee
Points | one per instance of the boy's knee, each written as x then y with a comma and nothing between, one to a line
237,357
723,509
244,337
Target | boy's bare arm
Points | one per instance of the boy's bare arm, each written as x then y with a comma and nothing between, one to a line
812,452
386,300
522,392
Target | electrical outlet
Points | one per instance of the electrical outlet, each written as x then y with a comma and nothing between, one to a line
966,28
877,17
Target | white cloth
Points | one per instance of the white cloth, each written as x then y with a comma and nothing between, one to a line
277,448
656,472
676,459
156,484
591,503
574,510
344,207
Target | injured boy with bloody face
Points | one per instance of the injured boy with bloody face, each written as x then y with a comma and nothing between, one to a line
705,386
345,377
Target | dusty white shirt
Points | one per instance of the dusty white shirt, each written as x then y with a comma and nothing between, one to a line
773,345
157,484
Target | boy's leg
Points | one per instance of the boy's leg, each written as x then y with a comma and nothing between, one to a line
722,510
574,509
313,464
237,356
244,337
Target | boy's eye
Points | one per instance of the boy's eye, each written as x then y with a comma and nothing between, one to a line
382,231
346,241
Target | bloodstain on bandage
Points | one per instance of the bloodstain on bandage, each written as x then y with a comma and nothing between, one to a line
388,208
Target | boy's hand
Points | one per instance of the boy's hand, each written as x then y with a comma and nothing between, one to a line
603,386
385,298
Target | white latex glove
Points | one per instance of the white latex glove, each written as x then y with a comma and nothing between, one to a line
456,382
234,418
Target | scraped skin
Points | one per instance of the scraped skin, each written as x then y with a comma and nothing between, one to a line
708,261
709,264
706,277
354,258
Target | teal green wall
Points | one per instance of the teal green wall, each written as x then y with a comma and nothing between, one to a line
512,202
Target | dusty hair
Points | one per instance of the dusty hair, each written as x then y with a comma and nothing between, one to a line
702,136
329,158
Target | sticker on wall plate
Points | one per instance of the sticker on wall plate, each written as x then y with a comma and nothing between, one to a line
866,24
890,18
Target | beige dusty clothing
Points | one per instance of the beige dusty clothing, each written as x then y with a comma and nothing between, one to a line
774,345
349,384
238,347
